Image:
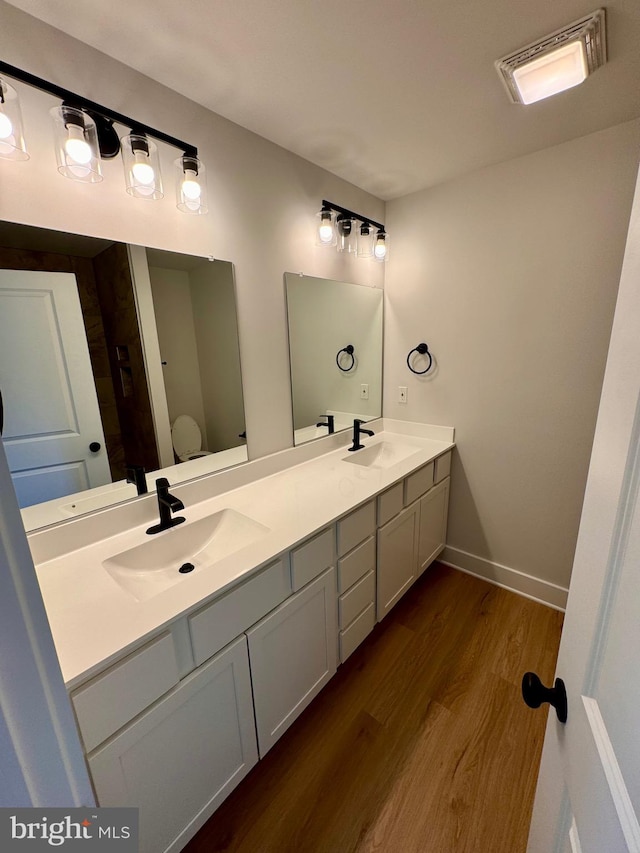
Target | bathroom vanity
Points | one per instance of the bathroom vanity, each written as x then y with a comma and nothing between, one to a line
181,682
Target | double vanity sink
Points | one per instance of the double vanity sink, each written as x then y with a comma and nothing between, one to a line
127,584
188,652
157,563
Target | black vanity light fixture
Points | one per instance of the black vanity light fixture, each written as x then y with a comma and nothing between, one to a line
85,135
351,232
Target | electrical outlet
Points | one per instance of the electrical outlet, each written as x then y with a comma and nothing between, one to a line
402,394
364,392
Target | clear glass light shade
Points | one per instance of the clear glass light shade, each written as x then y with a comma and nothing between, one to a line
76,142
326,233
12,146
141,166
191,185
364,246
381,247
347,232
554,72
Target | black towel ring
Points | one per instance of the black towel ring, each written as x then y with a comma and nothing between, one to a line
349,351
423,349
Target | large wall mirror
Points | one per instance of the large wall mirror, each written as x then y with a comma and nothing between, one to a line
335,352
115,361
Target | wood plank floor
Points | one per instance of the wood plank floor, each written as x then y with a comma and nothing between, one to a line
421,743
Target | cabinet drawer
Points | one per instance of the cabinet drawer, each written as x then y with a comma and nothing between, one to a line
119,694
225,618
389,504
311,559
356,632
359,596
356,564
355,527
443,467
417,484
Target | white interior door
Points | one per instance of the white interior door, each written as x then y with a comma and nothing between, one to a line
588,795
51,414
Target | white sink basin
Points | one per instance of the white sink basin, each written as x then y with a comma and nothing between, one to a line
381,455
153,566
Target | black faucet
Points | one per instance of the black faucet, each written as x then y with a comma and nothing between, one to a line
330,423
166,505
135,475
357,431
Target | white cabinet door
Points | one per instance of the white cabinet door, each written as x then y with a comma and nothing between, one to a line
293,653
434,507
179,760
397,542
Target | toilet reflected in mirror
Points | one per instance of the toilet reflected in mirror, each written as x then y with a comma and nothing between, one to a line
187,439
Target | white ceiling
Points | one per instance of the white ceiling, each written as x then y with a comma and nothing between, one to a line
391,95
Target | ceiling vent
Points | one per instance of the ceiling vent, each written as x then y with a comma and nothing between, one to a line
556,62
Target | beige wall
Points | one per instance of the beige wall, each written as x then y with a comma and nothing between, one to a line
214,314
510,275
263,202
176,335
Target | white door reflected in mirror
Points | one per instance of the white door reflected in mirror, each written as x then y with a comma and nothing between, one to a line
53,433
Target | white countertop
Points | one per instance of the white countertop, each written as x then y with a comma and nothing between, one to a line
94,620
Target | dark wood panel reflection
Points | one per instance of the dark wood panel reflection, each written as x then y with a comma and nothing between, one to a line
126,360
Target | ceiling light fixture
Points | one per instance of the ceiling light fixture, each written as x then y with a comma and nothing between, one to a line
556,62
85,135
351,232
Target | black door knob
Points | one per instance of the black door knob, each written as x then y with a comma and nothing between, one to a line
535,694
95,446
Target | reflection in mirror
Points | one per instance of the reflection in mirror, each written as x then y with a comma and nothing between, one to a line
103,347
335,352
195,314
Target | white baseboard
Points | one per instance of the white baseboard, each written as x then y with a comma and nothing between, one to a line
538,590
